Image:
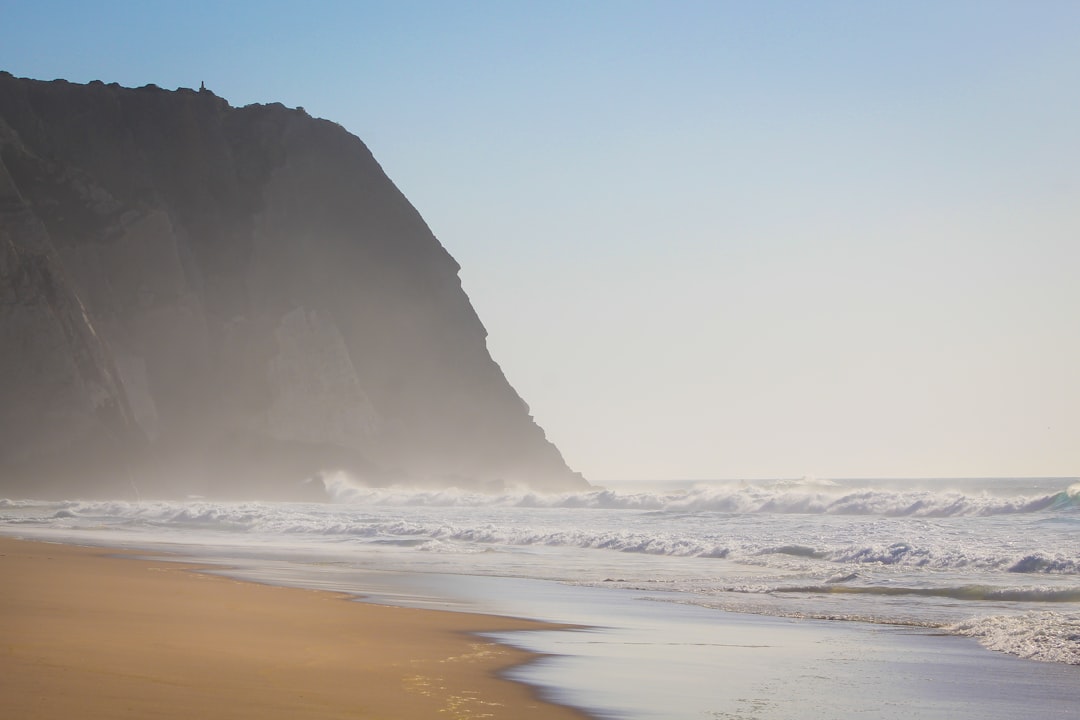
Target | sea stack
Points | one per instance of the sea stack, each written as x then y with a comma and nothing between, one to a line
202,299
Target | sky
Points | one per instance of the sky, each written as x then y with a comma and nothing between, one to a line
709,240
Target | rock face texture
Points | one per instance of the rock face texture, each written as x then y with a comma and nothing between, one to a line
202,299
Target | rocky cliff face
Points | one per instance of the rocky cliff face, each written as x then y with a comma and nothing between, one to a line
196,298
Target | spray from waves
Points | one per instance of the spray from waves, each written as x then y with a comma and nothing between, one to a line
817,498
1045,636
791,498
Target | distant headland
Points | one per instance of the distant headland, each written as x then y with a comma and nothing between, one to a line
202,299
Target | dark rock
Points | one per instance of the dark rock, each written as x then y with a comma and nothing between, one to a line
196,298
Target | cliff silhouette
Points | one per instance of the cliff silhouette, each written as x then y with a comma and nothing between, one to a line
202,299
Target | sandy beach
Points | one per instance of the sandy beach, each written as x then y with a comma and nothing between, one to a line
85,635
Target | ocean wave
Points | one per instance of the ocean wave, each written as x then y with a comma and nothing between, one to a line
700,540
945,558
6,503
816,498
970,593
781,497
1045,636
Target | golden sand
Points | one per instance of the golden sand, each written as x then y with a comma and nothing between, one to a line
83,636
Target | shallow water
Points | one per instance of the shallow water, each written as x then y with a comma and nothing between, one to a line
639,656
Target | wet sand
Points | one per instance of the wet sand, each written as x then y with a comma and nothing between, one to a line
84,635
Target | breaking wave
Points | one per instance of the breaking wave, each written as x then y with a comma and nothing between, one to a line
815,498
1045,636
906,555
976,593
427,530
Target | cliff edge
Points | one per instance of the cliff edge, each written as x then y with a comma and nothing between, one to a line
202,299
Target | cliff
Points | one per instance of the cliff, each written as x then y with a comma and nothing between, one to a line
197,298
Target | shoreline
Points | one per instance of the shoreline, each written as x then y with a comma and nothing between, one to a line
87,633
613,653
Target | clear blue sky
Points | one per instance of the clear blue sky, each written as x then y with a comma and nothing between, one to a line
708,239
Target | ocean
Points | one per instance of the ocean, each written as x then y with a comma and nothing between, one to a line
993,560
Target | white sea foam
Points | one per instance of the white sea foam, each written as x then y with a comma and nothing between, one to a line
1045,636
412,515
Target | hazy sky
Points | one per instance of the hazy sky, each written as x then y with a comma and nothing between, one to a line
708,240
